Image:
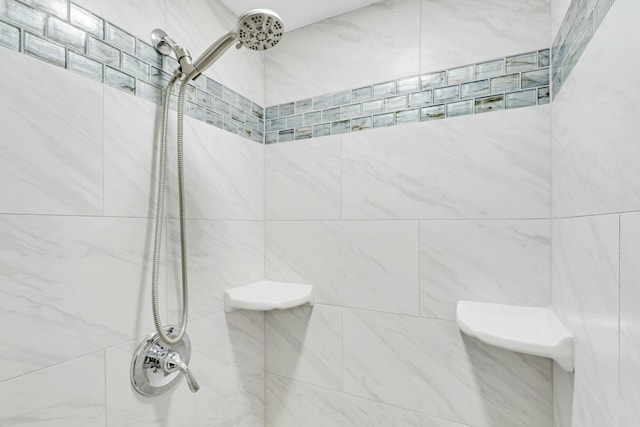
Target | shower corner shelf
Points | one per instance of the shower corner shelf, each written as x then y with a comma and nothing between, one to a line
530,330
268,295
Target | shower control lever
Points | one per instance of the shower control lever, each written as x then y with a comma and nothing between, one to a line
157,366
174,362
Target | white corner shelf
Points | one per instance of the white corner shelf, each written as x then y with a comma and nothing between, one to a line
530,330
268,295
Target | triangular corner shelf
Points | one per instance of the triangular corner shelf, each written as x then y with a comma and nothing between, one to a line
268,295
530,330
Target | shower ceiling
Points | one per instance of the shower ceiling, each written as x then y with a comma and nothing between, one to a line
298,13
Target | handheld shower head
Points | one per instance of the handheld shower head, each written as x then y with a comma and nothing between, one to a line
257,29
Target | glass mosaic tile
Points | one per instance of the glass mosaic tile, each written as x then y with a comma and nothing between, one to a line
462,108
45,50
85,66
87,21
489,103
525,98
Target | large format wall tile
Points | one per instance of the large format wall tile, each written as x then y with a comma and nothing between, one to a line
373,44
629,319
558,11
562,396
369,264
131,150
294,404
305,344
196,24
595,123
226,359
224,174
70,286
425,365
66,395
588,411
586,297
481,166
51,159
221,254
459,32
302,180
428,421
495,261
138,17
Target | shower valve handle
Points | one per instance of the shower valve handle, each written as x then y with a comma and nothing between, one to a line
174,362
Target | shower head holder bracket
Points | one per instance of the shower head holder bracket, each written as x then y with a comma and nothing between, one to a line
166,45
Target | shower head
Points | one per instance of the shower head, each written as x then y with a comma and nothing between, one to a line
257,29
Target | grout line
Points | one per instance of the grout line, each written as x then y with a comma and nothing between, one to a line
62,362
380,402
596,214
419,267
394,313
342,349
619,303
437,219
360,220
106,394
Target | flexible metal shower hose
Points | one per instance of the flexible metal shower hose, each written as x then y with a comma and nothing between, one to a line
160,214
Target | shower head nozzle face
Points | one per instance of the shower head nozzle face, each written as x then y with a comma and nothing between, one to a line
260,29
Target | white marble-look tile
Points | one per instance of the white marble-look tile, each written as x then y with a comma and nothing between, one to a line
458,32
70,286
137,17
558,11
226,359
481,166
221,254
224,174
368,264
506,262
197,24
305,344
426,365
67,395
131,151
302,180
587,411
562,396
595,123
294,404
629,319
51,144
428,421
585,294
370,45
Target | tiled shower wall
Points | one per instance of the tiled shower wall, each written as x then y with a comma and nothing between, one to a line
596,199
394,225
69,36
516,81
77,195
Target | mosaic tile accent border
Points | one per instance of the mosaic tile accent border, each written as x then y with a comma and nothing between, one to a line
69,36
504,83
66,35
578,27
